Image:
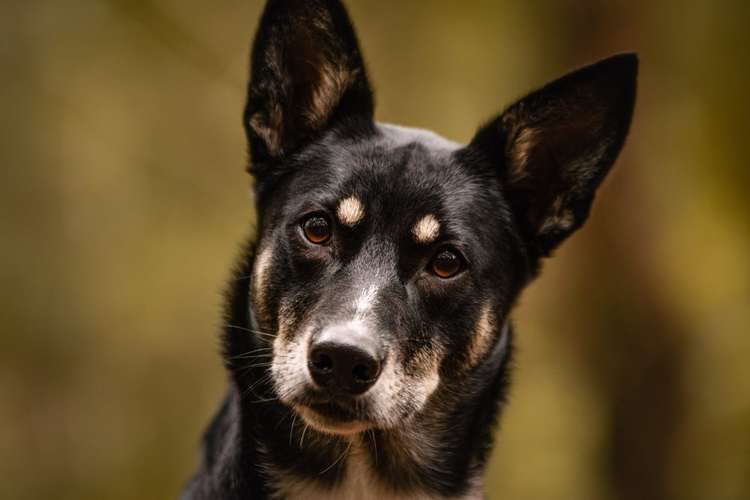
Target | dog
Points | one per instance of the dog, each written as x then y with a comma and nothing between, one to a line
367,332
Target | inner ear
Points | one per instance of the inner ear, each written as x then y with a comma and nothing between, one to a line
307,72
322,83
555,146
551,167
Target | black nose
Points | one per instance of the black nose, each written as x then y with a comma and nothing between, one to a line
344,363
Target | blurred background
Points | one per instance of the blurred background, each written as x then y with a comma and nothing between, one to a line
123,202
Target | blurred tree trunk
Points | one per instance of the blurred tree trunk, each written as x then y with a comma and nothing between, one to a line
624,333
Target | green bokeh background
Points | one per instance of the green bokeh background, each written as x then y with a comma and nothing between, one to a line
123,201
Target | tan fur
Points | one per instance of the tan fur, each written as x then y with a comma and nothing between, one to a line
289,358
563,221
483,336
426,360
426,230
521,150
350,211
426,363
260,279
285,319
268,128
558,217
333,82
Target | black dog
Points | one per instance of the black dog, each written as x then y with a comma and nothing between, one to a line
367,330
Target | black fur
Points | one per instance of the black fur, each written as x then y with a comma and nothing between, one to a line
504,201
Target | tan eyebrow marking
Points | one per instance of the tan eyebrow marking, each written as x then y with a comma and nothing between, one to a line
350,211
426,230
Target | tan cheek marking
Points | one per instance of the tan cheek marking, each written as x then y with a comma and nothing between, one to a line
350,211
483,336
426,360
260,279
286,320
426,230
424,368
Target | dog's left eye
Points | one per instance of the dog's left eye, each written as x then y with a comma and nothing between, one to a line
447,263
317,229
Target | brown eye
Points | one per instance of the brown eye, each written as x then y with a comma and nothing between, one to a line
317,229
446,264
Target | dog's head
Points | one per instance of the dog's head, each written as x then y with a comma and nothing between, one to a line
388,258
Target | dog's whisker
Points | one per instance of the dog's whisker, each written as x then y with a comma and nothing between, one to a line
251,355
257,365
262,380
302,438
253,360
245,368
238,327
281,421
291,428
264,400
264,351
250,330
254,356
251,389
371,433
343,454
257,349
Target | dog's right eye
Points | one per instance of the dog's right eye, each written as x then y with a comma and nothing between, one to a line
317,229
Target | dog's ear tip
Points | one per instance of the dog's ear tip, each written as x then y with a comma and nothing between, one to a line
306,4
624,60
615,78
623,66
626,75
629,58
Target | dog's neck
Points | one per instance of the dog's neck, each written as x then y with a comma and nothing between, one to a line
439,453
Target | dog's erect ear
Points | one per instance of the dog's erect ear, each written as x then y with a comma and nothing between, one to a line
554,147
306,73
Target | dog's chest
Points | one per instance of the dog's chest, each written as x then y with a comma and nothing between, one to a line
359,483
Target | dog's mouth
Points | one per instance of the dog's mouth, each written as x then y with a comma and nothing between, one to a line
334,417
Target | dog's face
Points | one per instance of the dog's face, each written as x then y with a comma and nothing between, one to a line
388,258
378,275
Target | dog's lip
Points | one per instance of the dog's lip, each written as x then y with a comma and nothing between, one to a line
329,407
314,397
333,411
330,418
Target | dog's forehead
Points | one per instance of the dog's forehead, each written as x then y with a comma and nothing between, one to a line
400,170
